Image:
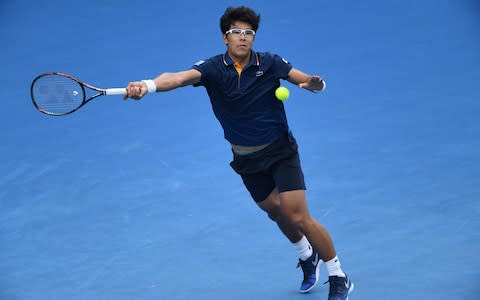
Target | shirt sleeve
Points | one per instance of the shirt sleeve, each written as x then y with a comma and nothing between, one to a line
281,67
205,68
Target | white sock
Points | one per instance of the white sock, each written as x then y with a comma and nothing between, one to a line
333,267
304,249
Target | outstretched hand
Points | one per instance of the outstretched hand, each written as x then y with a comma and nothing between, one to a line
136,90
314,84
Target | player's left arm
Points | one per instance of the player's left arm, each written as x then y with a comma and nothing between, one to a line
312,83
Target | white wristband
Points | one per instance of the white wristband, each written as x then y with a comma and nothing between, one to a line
151,86
323,88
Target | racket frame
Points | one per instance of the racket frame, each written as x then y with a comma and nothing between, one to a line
83,85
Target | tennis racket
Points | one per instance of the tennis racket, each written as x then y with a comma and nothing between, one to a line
59,94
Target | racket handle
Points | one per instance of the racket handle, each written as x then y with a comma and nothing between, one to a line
115,91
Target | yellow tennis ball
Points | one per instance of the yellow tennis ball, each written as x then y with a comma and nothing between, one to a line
282,93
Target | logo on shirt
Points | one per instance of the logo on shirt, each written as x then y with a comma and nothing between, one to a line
199,62
259,73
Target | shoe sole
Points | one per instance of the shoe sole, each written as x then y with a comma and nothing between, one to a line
317,275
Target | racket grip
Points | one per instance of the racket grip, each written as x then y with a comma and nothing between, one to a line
115,91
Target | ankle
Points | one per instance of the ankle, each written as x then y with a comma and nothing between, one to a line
334,267
304,249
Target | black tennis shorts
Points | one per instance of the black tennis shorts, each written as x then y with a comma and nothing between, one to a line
277,165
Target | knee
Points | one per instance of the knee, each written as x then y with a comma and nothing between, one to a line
272,207
274,215
301,221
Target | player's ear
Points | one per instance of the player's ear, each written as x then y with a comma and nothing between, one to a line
225,40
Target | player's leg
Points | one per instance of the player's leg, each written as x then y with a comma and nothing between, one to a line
263,191
289,179
271,205
309,259
293,206
278,166
294,209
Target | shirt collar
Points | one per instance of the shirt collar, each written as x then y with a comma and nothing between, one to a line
228,61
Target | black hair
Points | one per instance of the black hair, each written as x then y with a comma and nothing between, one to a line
242,14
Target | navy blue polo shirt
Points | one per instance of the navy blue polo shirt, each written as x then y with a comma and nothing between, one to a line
245,104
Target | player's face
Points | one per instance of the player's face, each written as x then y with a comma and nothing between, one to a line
239,42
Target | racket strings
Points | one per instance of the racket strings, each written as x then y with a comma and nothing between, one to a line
57,94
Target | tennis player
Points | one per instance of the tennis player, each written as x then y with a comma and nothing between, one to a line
241,85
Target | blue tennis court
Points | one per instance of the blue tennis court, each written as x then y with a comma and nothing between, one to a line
136,200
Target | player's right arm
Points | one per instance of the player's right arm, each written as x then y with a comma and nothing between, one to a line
164,82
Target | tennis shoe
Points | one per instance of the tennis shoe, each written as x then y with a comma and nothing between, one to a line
311,272
340,288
